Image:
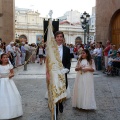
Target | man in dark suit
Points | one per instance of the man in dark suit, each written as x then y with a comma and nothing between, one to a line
65,58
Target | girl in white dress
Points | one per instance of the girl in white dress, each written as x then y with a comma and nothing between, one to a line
10,99
83,91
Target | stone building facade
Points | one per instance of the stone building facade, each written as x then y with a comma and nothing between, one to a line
72,16
108,21
7,20
29,26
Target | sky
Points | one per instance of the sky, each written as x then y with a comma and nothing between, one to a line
59,7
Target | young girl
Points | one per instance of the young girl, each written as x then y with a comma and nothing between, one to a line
10,99
83,91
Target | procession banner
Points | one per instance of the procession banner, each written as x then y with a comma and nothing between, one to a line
55,79
55,27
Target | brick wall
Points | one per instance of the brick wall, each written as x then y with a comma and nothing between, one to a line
7,21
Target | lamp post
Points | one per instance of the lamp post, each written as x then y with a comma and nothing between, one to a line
85,23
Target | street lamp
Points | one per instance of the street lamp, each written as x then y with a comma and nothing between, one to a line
85,20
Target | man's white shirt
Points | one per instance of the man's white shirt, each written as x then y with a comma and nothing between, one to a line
60,49
9,48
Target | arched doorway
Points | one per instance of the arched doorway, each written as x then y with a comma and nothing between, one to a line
115,29
23,38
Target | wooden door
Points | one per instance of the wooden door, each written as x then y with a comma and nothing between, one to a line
116,30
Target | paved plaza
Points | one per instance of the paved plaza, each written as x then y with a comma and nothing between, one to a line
32,87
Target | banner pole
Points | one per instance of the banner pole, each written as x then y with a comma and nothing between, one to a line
55,117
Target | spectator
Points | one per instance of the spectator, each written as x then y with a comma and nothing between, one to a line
75,51
112,53
33,52
27,48
113,63
106,50
18,56
23,51
71,51
40,53
95,54
99,57
10,50
80,49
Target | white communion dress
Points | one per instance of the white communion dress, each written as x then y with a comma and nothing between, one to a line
83,91
10,99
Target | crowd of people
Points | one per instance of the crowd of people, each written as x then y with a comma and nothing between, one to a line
104,56
89,57
20,53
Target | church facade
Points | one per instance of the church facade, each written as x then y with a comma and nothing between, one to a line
108,21
29,27
14,25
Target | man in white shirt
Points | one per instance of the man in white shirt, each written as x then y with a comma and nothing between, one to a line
10,50
65,58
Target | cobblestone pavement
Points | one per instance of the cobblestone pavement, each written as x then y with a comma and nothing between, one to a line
32,87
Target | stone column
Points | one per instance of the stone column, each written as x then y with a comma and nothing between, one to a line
1,8
7,20
1,13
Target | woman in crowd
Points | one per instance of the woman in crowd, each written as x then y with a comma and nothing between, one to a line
18,56
113,63
33,53
40,53
112,53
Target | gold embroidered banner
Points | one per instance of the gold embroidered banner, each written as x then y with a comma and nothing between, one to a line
55,79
